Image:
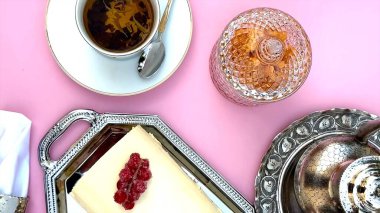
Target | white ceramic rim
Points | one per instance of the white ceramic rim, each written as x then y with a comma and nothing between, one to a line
120,94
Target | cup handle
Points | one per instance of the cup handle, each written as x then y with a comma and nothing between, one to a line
57,130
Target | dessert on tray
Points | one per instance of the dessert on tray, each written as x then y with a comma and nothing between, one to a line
167,188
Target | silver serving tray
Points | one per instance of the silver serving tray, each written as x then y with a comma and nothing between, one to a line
275,180
105,130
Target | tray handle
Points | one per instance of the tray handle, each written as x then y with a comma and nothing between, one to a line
57,130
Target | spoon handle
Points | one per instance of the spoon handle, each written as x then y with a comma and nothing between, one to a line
164,18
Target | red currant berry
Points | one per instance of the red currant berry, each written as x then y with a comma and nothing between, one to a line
132,181
128,205
125,175
144,163
139,186
121,185
134,196
144,174
135,157
118,184
133,165
120,196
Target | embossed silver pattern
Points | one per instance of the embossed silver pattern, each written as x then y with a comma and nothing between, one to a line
98,122
275,180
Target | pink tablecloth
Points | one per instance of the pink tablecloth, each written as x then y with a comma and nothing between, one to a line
345,37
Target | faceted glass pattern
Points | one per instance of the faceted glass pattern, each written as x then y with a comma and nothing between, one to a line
263,55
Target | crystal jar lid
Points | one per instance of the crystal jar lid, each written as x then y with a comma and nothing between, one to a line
265,53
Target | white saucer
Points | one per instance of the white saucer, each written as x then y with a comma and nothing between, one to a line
106,75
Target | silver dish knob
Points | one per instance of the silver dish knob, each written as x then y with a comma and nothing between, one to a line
359,186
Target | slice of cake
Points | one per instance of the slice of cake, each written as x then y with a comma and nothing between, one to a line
168,190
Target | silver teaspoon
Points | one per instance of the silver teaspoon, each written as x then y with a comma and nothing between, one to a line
153,55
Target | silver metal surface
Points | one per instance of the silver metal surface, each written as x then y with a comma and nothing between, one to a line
364,133
359,186
319,170
321,166
12,204
275,181
59,173
153,55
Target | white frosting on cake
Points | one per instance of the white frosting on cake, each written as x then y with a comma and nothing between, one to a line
169,190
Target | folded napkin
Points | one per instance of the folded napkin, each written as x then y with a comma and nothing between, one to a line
14,160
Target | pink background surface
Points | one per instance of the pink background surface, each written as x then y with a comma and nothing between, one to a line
345,73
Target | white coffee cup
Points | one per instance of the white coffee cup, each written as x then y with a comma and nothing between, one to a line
79,10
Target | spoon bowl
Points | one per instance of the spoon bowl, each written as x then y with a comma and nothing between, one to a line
151,59
153,55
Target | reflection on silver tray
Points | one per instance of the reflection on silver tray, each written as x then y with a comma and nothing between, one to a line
275,181
106,129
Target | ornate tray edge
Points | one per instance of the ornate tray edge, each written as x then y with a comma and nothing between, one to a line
98,121
270,201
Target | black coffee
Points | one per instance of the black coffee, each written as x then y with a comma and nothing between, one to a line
118,25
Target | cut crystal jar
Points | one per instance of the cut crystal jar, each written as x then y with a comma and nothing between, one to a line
262,56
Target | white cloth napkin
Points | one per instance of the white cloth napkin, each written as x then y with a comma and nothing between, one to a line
14,154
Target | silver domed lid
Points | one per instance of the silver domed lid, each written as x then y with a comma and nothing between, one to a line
359,186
